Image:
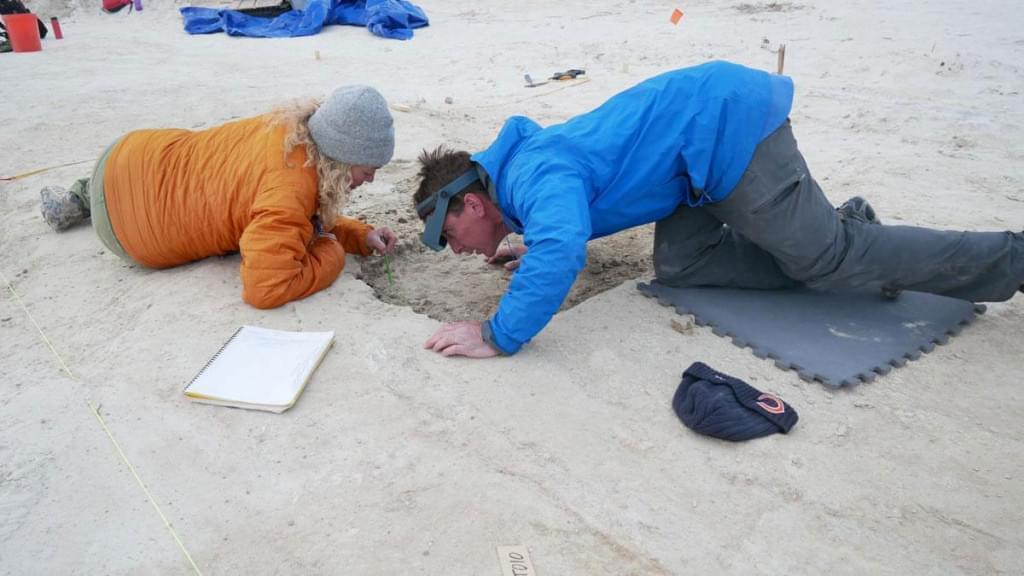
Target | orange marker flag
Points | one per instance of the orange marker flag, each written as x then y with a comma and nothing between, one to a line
677,15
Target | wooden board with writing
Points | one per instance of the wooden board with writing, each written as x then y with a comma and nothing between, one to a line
515,561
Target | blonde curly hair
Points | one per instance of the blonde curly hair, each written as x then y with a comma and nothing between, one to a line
334,179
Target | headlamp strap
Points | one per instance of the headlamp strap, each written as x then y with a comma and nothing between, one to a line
447,192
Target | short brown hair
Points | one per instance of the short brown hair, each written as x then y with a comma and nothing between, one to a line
438,168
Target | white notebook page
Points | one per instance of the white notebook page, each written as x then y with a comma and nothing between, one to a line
262,366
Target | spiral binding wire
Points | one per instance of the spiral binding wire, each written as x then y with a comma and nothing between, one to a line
215,356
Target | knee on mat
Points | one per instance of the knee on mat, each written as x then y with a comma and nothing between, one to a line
672,269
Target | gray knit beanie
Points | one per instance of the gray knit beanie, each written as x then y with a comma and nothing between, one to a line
354,126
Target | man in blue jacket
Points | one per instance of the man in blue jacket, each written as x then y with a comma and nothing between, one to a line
706,152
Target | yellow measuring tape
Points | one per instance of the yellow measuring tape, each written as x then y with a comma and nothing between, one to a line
40,171
106,429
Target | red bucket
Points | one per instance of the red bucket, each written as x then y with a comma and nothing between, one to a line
23,32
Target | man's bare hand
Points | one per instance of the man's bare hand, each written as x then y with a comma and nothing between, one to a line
460,339
509,256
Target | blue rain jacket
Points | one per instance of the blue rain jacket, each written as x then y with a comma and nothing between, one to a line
394,19
683,136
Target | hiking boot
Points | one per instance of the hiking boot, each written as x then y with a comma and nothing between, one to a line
859,209
61,209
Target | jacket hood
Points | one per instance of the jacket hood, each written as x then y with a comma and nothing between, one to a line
513,134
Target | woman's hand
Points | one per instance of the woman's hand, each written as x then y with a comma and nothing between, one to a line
381,239
509,256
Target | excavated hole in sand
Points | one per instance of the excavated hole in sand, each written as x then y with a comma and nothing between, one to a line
448,287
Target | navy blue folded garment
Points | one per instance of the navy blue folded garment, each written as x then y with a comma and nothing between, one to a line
394,19
716,404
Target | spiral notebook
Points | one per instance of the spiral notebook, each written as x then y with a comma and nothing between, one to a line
260,369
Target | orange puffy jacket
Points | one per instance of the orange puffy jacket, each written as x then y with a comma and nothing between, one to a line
175,196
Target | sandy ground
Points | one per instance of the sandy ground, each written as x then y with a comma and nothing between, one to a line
397,461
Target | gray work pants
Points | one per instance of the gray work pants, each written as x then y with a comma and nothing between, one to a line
777,229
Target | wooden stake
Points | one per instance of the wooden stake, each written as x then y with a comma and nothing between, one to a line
782,57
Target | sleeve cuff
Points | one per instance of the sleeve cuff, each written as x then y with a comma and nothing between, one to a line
352,235
488,336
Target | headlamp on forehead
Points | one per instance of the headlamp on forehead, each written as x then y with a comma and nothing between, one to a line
436,205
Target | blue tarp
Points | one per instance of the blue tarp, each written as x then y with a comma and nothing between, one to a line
394,19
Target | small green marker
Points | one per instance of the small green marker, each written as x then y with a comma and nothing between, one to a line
387,269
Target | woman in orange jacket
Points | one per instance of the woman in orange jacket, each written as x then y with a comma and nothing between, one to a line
270,187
